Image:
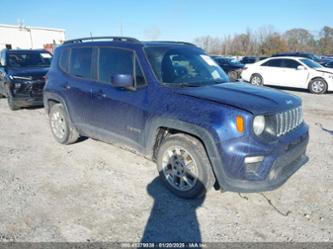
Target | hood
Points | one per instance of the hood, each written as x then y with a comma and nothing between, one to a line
325,70
257,100
34,72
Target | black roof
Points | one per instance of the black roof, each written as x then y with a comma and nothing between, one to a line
291,53
26,50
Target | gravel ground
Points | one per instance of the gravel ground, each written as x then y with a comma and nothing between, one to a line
92,191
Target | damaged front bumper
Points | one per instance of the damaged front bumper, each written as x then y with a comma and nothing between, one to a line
29,93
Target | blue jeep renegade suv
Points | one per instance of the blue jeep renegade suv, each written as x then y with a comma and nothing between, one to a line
171,103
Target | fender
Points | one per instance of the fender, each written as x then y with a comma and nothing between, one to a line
192,129
47,96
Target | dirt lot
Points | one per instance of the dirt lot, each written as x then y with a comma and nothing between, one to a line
98,192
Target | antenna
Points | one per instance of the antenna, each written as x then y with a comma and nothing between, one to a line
121,27
91,36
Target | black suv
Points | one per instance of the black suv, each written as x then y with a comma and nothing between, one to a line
22,76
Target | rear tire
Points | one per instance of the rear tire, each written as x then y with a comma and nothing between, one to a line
257,80
62,129
318,86
11,104
184,166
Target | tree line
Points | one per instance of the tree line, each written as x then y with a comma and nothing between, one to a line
266,41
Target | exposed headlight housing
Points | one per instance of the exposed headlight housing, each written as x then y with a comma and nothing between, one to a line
259,124
17,85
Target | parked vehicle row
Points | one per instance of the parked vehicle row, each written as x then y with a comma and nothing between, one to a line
310,56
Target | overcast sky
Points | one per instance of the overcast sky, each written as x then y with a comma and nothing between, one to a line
167,19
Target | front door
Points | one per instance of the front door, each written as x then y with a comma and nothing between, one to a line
291,75
119,114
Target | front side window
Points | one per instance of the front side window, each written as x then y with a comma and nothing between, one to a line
114,61
21,59
273,63
80,65
184,66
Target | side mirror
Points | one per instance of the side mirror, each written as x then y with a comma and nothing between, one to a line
122,80
300,67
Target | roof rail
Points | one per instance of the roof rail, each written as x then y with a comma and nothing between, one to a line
111,38
175,42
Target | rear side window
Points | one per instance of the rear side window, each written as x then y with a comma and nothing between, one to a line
80,63
64,60
114,61
273,63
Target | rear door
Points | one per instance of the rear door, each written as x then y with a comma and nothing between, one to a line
77,87
271,72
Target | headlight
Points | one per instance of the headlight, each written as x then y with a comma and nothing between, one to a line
17,85
259,125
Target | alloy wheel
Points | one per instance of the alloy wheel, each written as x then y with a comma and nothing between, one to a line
318,86
256,80
58,125
179,168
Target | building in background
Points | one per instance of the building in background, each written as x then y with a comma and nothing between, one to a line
24,37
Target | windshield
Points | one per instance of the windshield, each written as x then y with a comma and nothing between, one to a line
184,66
311,63
29,59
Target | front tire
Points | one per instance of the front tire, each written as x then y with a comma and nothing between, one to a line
257,80
233,76
61,127
184,166
318,86
11,104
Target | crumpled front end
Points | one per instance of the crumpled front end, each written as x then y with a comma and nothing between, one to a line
27,91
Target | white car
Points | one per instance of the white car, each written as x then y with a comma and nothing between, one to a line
287,71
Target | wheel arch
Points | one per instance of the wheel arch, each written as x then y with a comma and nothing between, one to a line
316,77
50,99
319,78
161,128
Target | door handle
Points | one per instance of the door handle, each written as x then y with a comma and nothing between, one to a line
66,86
99,94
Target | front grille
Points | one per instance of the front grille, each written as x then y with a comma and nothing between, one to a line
289,120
